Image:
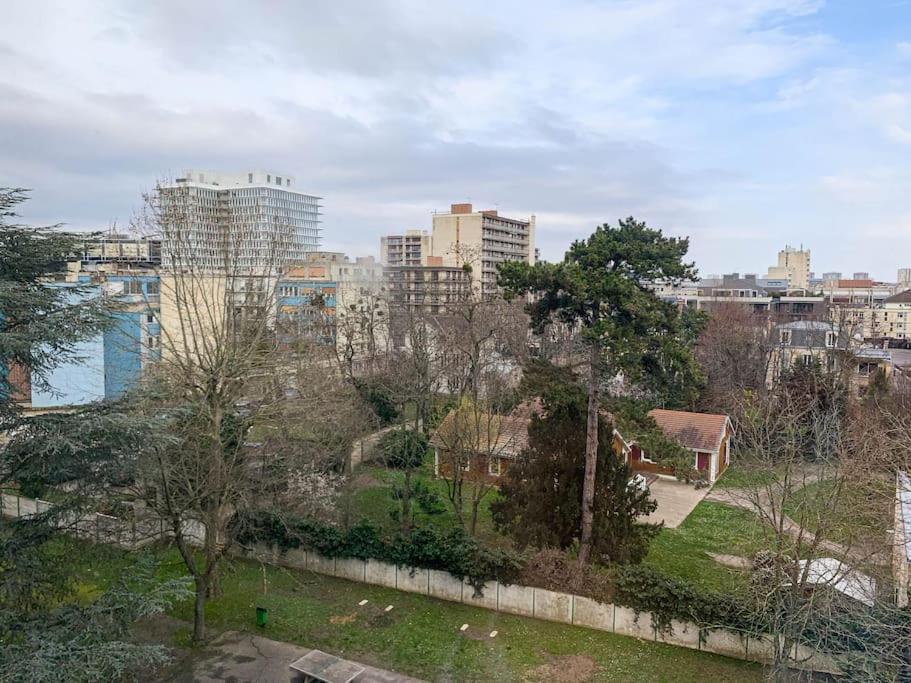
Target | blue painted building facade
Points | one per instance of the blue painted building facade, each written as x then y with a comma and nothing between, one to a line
112,362
134,340
308,305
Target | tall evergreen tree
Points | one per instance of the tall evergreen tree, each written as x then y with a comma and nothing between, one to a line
45,634
540,497
602,287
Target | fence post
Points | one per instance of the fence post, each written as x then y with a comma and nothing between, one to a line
97,532
18,507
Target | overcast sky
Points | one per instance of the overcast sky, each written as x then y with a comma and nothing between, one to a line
744,124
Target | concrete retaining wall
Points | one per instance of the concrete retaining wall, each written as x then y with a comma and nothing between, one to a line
544,604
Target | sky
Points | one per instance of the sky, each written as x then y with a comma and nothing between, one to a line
742,124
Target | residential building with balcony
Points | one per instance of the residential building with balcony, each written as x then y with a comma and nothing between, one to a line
482,239
409,249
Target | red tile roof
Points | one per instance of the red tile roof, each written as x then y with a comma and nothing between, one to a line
698,431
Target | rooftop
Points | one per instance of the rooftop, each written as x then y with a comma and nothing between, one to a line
698,431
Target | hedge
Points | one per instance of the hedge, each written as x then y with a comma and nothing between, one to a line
451,550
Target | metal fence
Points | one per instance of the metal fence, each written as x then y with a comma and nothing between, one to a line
129,533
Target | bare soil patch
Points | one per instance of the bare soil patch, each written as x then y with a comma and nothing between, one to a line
565,669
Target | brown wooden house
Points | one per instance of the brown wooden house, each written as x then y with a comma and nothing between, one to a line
482,444
707,435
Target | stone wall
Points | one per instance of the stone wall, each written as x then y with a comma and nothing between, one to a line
539,603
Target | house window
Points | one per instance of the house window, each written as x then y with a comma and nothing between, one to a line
467,466
150,317
830,340
153,287
785,337
493,466
866,369
806,360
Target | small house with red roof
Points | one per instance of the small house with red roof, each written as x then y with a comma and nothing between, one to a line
707,435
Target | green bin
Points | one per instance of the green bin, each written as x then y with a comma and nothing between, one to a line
262,616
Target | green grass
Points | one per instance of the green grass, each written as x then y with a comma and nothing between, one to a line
711,527
735,477
420,636
849,516
374,502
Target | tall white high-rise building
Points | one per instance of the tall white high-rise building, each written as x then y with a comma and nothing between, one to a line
247,221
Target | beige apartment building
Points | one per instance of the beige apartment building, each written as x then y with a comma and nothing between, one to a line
895,316
793,266
482,239
409,249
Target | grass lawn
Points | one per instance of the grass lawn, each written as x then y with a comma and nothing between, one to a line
736,477
421,636
372,500
711,527
849,516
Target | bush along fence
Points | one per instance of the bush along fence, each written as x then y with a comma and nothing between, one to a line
452,566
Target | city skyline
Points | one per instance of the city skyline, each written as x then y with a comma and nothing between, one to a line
747,126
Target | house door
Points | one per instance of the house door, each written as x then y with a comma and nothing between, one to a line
702,461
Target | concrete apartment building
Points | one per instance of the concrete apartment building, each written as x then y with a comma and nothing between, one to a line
431,287
111,362
250,221
903,281
482,239
409,249
794,266
758,295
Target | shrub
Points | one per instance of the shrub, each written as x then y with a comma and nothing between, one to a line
646,589
403,449
379,398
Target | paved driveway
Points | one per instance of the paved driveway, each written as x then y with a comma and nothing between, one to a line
676,501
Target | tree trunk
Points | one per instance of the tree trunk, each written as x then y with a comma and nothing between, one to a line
199,610
475,504
591,454
406,503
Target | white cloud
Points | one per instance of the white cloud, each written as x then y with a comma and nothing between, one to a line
704,117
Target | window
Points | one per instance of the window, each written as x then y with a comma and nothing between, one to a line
830,340
866,369
153,287
150,317
269,178
806,359
494,466
278,180
287,182
250,178
785,337
132,287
